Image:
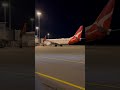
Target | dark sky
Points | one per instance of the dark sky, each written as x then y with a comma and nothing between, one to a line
63,17
60,17
22,11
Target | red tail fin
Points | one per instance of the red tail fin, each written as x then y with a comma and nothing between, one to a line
79,32
44,38
102,24
104,19
77,37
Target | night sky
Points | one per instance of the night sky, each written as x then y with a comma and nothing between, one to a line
21,10
24,10
60,18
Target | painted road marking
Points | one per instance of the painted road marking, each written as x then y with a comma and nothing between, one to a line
63,60
61,81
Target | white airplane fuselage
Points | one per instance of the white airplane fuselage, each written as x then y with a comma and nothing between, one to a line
61,41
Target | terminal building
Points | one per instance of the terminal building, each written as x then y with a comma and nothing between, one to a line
13,37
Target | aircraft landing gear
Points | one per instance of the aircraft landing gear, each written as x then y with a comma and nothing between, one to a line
55,45
61,45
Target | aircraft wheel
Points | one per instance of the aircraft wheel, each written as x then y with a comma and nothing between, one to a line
61,45
55,45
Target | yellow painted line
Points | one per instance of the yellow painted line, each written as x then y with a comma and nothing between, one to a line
61,81
63,60
95,84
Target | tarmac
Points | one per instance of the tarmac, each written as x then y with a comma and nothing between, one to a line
60,68
17,67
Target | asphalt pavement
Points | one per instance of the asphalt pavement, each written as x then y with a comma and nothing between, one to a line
17,67
60,68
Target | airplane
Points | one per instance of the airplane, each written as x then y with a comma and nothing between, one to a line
65,41
100,28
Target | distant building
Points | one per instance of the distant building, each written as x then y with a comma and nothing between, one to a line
3,32
2,26
28,38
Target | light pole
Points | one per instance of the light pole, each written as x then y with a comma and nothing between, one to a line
37,28
39,14
48,35
5,5
10,15
32,20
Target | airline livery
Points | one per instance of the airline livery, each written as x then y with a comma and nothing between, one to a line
65,41
100,28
